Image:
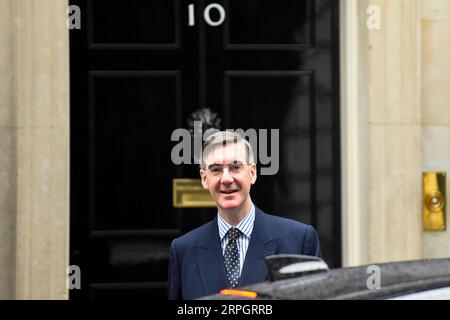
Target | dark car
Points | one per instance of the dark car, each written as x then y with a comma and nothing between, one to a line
302,277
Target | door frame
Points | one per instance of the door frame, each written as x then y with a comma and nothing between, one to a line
354,132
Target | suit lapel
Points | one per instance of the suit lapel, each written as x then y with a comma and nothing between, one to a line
262,244
210,260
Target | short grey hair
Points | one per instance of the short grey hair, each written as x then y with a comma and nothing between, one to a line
223,138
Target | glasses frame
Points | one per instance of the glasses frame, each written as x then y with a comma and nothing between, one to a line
230,172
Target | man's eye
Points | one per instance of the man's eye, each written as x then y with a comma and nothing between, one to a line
236,167
216,169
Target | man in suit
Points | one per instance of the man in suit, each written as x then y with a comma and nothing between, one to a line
229,251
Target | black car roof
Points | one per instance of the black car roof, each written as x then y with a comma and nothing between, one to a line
396,278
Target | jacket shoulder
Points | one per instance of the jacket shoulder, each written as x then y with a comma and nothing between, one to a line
196,235
293,233
285,224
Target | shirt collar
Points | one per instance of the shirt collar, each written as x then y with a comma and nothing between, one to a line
245,226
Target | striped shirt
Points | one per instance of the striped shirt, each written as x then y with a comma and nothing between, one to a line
246,228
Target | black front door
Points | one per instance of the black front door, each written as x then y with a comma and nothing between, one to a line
140,70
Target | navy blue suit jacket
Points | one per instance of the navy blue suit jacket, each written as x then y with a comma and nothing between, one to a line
196,265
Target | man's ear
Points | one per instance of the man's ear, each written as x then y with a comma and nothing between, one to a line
204,179
253,173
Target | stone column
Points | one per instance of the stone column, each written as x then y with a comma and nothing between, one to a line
8,154
34,196
394,155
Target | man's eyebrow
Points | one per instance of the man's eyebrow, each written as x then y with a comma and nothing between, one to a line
214,165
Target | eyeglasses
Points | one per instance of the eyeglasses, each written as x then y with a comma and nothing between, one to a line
234,169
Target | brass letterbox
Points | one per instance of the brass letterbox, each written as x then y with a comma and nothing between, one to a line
189,193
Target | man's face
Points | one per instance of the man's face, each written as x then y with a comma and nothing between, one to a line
228,176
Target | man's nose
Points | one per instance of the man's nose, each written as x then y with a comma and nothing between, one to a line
226,176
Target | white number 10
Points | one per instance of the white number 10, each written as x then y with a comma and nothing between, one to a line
206,15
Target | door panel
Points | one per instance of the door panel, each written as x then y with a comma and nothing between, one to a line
134,22
128,176
267,99
288,22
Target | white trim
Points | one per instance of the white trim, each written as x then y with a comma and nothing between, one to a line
304,267
353,243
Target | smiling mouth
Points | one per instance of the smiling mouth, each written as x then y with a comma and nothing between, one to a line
228,191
